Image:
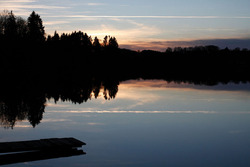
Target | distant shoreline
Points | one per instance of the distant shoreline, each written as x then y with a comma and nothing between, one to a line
26,55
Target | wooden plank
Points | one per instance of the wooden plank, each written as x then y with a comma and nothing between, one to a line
65,142
42,144
77,142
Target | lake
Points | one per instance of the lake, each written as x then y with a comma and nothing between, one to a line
149,123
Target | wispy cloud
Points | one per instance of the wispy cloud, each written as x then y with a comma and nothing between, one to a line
18,6
163,45
16,1
130,31
95,4
24,7
158,17
55,22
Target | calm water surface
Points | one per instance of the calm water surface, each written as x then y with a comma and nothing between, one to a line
150,123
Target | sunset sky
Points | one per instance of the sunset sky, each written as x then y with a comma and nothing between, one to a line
145,24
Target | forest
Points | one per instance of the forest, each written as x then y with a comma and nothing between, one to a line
75,67
26,51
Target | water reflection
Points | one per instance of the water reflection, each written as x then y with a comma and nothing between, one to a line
19,107
17,103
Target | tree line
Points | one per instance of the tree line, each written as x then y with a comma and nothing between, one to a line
16,29
27,54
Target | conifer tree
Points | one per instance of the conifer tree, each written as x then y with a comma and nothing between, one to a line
96,44
113,42
36,28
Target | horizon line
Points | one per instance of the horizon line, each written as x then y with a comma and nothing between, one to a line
158,17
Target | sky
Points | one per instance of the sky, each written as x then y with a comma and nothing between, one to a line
145,24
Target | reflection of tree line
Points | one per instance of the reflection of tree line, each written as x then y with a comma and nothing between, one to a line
22,102
74,67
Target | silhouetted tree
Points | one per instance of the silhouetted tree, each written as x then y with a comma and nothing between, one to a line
169,50
55,37
86,41
96,44
36,110
36,28
64,37
3,18
13,30
49,38
113,42
22,28
10,30
105,41
178,49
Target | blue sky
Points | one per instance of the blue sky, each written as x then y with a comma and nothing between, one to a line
142,24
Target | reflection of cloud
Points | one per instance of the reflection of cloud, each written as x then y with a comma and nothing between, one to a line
56,105
161,84
144,83
54,120
154,85
94,123
236,131
134,95
142,112
23,126
138,96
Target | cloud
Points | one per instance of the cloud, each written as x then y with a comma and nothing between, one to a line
157,17
55,22
95,4
17,1
18,6
24,7
125,30
163,45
